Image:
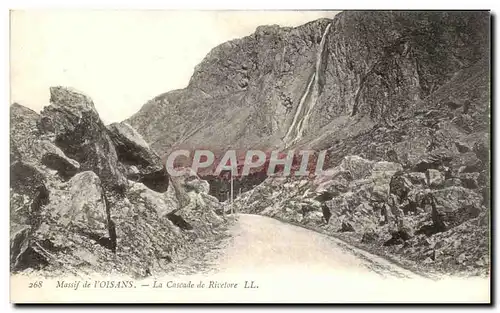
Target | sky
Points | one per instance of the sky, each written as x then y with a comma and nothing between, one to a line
122,59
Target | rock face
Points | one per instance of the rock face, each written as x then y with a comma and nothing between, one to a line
88,198
362,69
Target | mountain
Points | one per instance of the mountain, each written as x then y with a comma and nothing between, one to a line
317,83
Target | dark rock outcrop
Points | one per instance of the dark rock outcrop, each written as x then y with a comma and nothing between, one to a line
142,164
73,124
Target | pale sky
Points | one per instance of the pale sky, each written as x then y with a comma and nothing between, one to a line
122,59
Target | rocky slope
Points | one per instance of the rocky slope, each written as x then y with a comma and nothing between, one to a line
423,220
401,102
88,198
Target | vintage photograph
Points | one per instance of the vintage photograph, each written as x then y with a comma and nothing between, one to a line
250,156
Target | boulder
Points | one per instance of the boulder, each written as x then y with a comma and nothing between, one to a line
462,147
435,160
434,178
357,166
346,227
467,162
454,205
469,180
211,201
161,203
400,185
73,124
142,163
53,157
186,182
386,167
81,204
196,208
338,205
29,192
19,243
369,236
417,178
334,181
197,213
450,182
399,236
25,178
382,174
28,144
201,186
314,218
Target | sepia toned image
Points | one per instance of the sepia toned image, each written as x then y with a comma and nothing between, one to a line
250,156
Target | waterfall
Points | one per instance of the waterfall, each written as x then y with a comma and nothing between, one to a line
308,99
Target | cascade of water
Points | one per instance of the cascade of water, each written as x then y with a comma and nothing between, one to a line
308,99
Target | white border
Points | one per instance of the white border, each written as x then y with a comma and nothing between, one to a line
184,4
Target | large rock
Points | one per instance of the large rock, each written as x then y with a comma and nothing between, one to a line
19,244
434,178
417,178
142,163
130,146
186,182
29,145
357,166
53,157
74,125
400,186
81,204
196,209
162,203
29,192
381,175
334,181
454,205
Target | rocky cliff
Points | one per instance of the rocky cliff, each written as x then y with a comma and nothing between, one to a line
87,198
317,83
401,102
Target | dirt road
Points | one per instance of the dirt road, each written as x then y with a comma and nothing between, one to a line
260,243
289,263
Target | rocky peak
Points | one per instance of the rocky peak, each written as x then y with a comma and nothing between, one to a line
73,124
70,97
